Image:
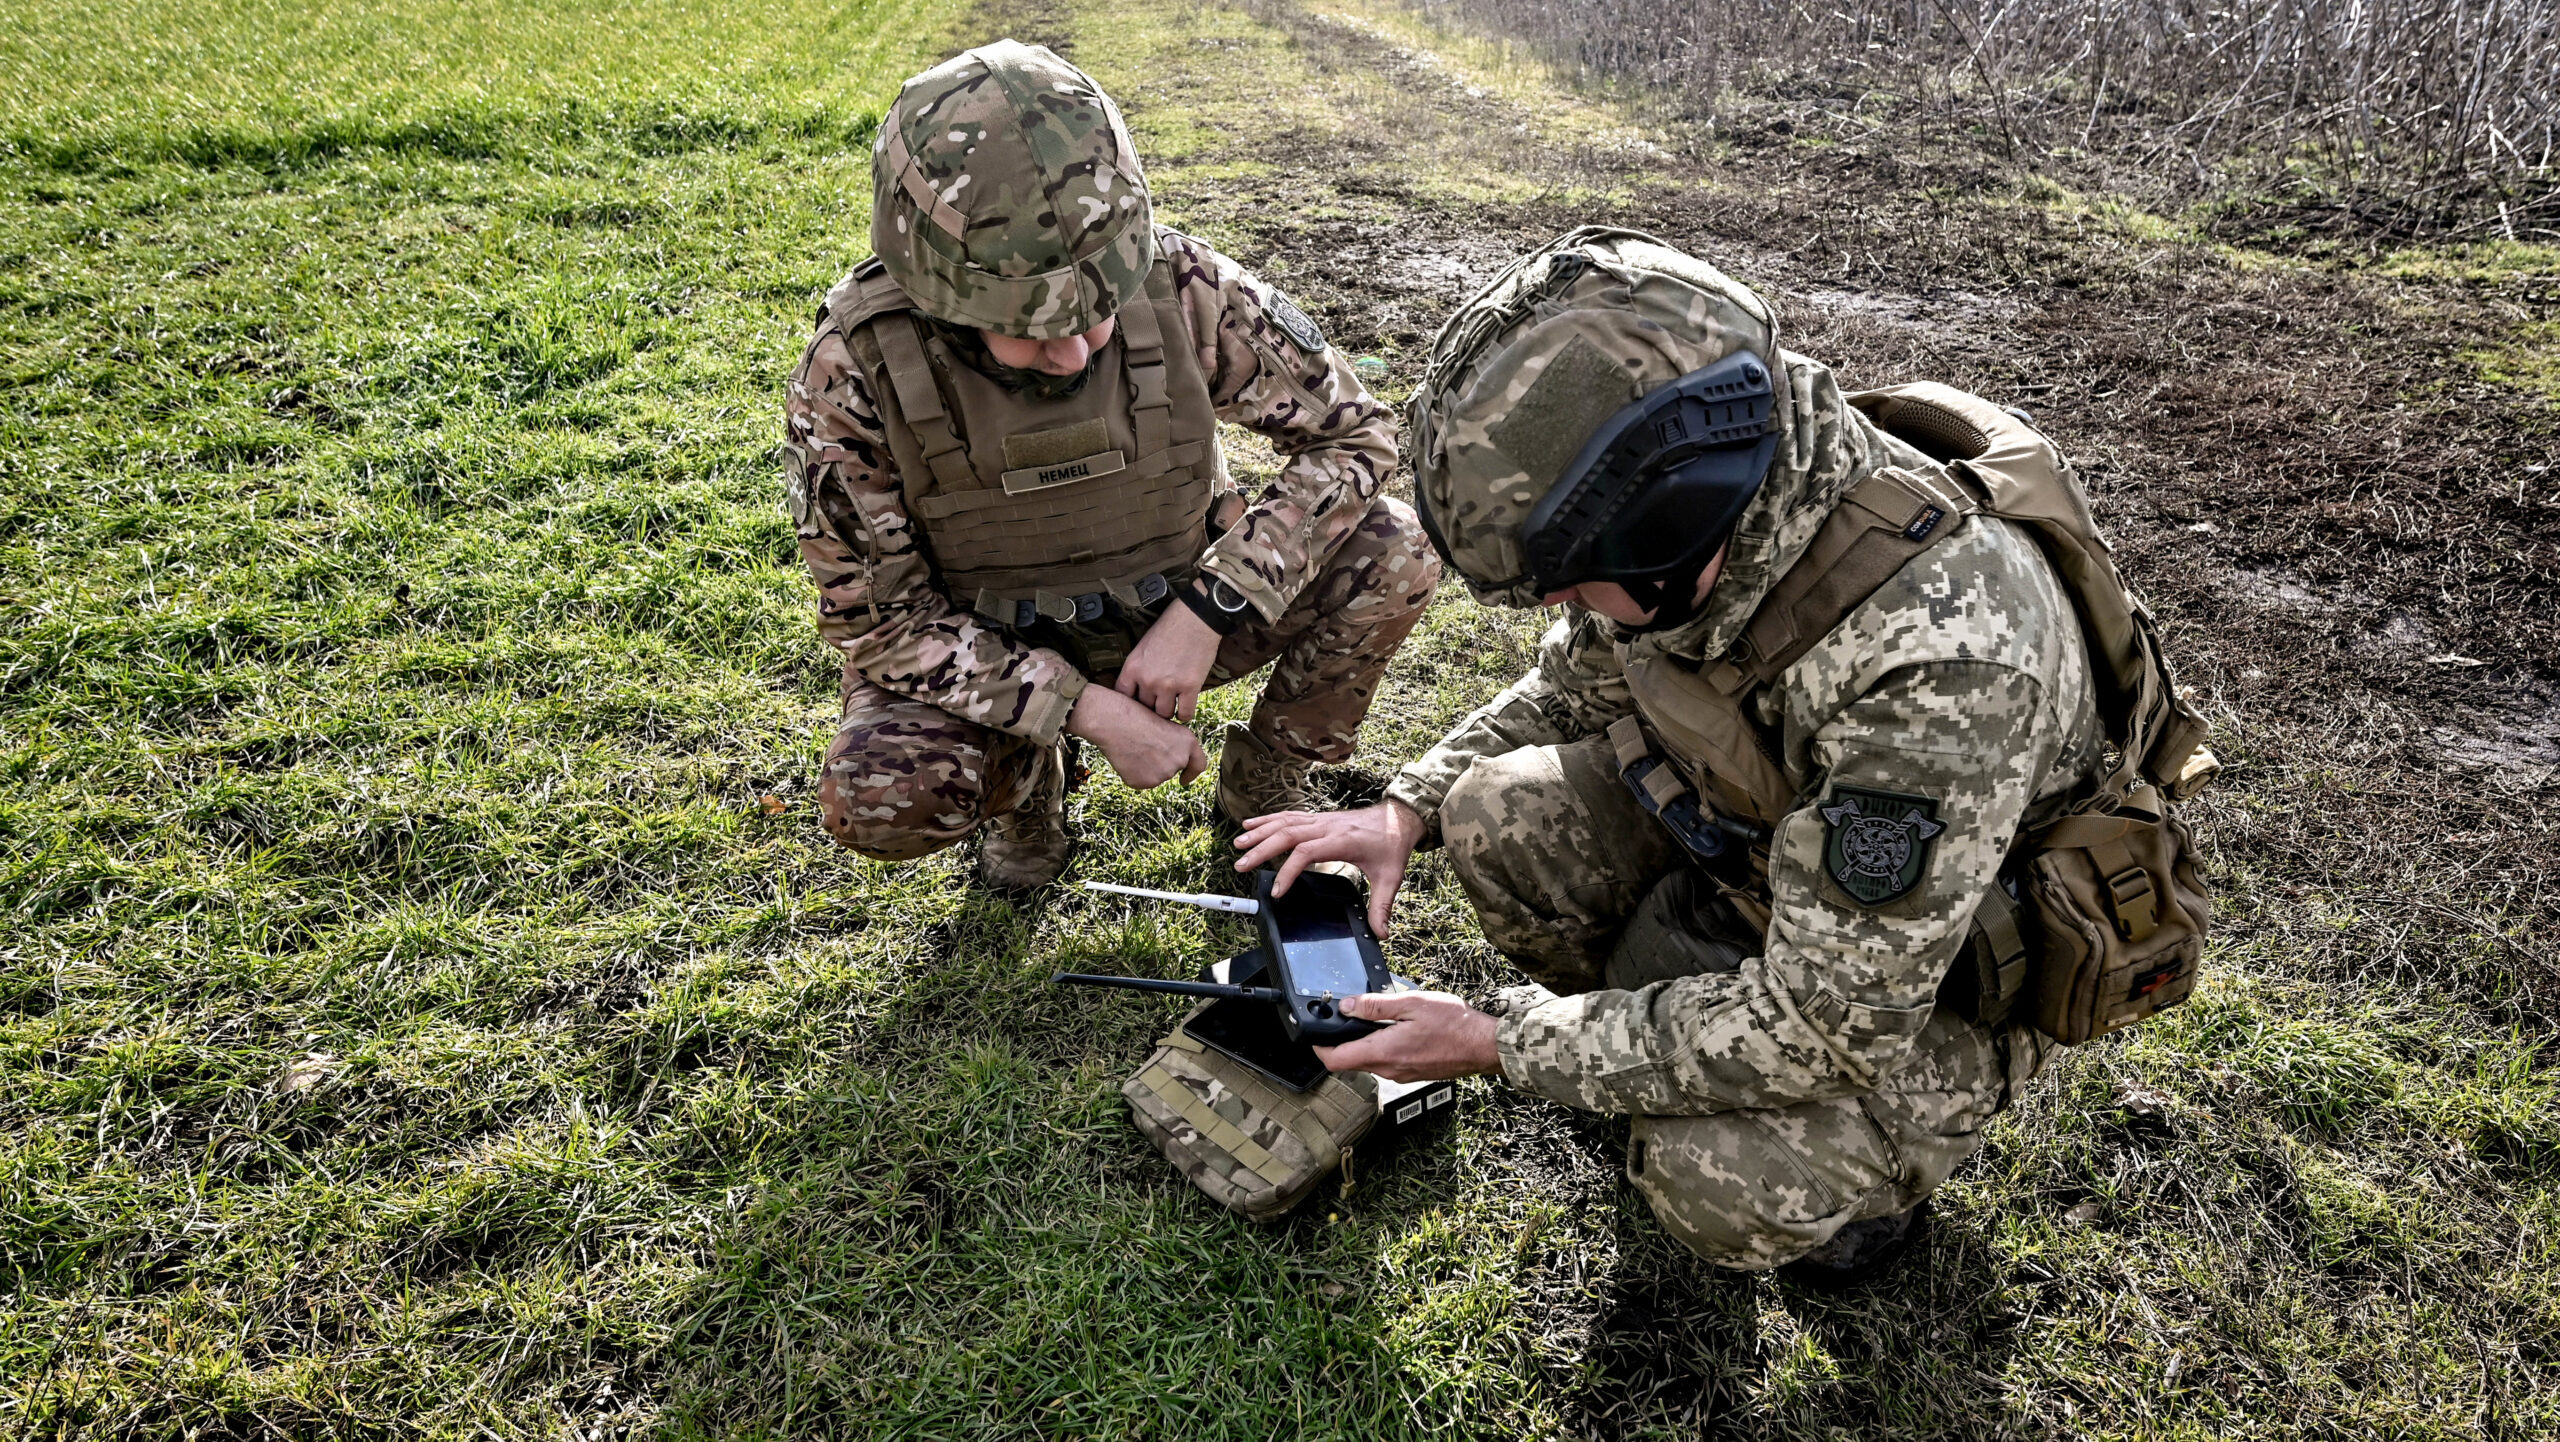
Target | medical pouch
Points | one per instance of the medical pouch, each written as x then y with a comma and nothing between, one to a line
2122,915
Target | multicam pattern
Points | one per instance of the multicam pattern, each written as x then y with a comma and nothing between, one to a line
1006,195
906,778
1249,1144
878,601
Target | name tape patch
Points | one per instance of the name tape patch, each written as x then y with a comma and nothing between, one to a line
1040,478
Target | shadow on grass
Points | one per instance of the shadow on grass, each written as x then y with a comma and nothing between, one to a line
962,1235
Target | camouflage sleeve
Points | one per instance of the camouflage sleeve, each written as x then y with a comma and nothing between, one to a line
1576,690
877,602
1271,372
1943,757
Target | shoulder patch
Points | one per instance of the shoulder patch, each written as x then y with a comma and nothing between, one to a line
1293,322
1875,844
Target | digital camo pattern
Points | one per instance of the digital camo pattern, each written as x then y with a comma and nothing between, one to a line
878,600
1006,195
1493,428
905,778
1576,689
1554,854
1825,448
1962,681
1755,1188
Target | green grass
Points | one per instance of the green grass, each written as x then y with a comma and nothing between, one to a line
414,1024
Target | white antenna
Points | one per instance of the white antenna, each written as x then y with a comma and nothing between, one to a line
1233,905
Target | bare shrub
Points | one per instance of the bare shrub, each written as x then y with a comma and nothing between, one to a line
2400,115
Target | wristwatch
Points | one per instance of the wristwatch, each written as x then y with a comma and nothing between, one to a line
1217,603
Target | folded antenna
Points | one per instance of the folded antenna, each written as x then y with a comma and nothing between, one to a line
1233,905
1179,988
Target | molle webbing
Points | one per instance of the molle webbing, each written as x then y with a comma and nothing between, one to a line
1008,515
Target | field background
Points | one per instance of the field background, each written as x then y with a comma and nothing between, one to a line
429,1007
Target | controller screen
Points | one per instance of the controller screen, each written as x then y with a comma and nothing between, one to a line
1330,965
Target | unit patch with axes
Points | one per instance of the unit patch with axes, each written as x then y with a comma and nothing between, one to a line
1876,843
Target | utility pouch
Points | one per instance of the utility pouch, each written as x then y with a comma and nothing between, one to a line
1253,1145
2123,916
1718,842
1096,631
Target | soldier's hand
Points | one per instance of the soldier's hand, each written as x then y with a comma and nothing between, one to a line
1378,839
1434,1036
1145,749
1170,664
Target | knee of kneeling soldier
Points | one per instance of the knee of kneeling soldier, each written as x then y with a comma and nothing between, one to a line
1472,833
887,823
1740,1197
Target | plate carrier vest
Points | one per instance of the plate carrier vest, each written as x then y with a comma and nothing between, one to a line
1066,509
2107,923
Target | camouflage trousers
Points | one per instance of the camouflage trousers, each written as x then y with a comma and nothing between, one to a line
905,778
1579,885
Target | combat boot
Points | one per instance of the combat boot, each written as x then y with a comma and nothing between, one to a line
1027,848
1255,780
1860,1251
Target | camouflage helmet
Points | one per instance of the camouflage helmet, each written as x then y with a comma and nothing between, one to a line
1005,195
1530,367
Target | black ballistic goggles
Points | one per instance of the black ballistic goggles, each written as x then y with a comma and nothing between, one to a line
1657,488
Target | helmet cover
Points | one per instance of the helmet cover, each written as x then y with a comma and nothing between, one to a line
1534,365
1006,195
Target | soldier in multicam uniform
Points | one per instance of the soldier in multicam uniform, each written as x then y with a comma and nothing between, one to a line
1748,863
1004,466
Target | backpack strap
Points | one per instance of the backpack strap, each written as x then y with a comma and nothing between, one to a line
1703,716
2018,475
1884,521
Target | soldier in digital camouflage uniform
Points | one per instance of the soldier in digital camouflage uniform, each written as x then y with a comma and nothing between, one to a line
1774,1022
1002,460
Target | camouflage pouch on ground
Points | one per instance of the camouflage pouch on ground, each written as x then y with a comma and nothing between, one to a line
1254,1146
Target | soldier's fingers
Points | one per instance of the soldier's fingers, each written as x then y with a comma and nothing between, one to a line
1185,705
1301,856
1262,851
1198,763
1382,1005
1362,1055
1382,896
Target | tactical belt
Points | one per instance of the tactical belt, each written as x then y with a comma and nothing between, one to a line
1708,835
1023,613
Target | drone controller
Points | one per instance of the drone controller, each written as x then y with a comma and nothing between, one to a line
1317,950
